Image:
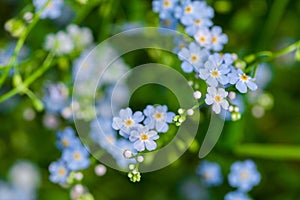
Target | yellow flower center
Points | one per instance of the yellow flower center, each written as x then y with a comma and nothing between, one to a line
62,171
202,39
244,77
77,156
158,116
244,175
167,22
128,122
110,139
65,143
167,4
197,21
214,39
217,98
194,58
188,9
215,73
144,137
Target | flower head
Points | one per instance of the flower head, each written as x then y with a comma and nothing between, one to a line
53,9
76,158
60,43
216,98
210,173
143,138
164,7
158,117
127,121
193,57
56,97
203,38
215,70
218,39
244,175
58,172
67,139
242,81
82,37
236,195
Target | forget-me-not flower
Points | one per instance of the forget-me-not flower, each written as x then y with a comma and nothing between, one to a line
215,71
164,7
193,57
217,98
67,139
59,172
236,195
193,25
82,37
203,37
244,175
53,9
143,138
242,81
218,39
56,97
127,121
77,158
60,43
210,173
158,117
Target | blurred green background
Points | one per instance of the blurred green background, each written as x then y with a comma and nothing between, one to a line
252,26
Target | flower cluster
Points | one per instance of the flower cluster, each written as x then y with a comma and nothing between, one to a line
65,42
52,10
202,56
74,156
243,176
142,128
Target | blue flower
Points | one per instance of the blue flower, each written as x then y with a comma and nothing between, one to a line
242,81
169,22
236,195
218,38
203,38
59,172
127,121
193,25
180,43
244,175
77,158
67,139
143,138
193,9
158,117
164,7
193,57
210,173
215,71
56,97
53,9
217,98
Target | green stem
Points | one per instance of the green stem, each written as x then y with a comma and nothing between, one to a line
277,152
23,87
267,56
13,60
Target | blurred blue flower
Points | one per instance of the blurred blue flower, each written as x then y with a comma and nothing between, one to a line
127,121
77,158
193,9
244,175
59,172
143,138
215,71
165,8
236,195
67,139
56,97
193,25
169,22
193,57
210,173
53,9
217,98
59,43
218,38
158,117
242,81
82,37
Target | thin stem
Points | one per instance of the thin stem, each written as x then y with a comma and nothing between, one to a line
23,87
278,152
13,60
